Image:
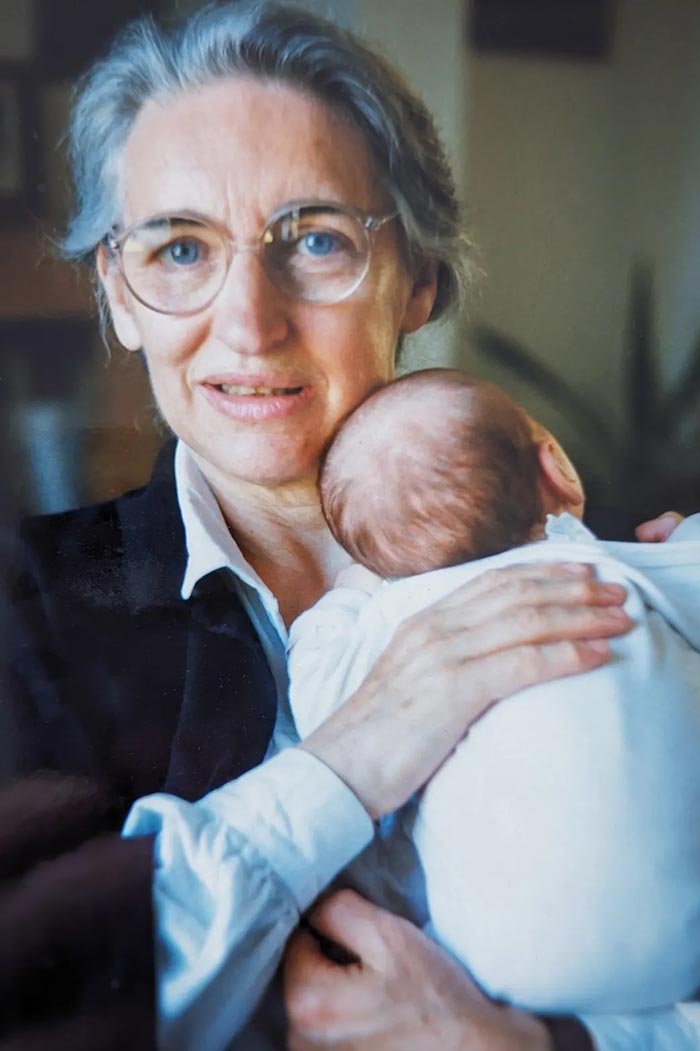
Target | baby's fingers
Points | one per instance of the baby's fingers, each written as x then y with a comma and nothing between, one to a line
658,529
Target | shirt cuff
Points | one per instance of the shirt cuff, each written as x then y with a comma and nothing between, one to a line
299,815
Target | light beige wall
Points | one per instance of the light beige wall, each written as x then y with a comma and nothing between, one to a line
575,170
17,25
428,45
662,52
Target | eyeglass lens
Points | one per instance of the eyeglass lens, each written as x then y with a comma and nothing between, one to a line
179,264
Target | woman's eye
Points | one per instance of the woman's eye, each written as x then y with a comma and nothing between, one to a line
319,243
182,253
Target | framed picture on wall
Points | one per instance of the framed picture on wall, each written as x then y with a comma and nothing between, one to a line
18,144
73,33
573,29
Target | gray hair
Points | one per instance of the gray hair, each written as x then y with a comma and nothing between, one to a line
271,40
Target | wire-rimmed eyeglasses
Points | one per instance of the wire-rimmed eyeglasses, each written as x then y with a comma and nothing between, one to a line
316,251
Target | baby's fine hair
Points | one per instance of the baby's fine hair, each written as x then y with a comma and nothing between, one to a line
434,469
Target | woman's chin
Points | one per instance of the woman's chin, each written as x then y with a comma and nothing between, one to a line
268,467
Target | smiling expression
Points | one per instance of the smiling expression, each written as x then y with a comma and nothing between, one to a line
257,382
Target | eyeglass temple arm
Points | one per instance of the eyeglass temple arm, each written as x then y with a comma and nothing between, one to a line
376,222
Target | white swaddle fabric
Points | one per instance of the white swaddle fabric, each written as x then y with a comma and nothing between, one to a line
560,843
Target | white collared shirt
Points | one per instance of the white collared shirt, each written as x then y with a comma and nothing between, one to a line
235,870
210,546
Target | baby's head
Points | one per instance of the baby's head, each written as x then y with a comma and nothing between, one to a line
439,468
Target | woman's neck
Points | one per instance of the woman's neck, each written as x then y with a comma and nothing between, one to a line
282,533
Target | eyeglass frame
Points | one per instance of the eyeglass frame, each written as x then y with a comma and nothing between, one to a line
371,224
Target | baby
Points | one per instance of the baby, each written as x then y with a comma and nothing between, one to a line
557,851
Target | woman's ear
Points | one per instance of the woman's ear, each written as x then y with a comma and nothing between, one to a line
562,488
119,305
422,297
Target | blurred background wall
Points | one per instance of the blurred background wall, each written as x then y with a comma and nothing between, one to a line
574,128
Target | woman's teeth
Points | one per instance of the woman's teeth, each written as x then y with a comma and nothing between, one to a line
228,388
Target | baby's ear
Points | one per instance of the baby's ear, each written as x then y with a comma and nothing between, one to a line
120,308
559,476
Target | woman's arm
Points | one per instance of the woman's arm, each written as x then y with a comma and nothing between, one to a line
236,869
502,632
233,874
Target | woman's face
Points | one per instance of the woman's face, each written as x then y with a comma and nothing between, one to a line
236,151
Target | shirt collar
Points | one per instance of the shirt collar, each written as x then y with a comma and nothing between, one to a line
567,527
208,542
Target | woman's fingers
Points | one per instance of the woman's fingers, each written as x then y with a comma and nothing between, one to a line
514,626
494,593
350,920
316,1000
495,578
520,605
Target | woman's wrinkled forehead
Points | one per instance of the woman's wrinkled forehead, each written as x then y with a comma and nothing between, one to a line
237,149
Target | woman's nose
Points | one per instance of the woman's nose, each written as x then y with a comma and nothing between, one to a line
250,314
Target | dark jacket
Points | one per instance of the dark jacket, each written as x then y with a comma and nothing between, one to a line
120,688
111,677
111,673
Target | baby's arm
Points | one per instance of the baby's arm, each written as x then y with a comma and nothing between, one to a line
330,650
358,578
560,863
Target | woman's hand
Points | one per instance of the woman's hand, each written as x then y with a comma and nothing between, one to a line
405,995
504,631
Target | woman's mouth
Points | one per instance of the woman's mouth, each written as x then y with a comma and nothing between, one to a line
255,402
260,392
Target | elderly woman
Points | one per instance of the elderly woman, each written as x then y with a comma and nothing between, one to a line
270,213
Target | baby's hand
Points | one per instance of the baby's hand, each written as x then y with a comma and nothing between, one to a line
358,578
658,529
